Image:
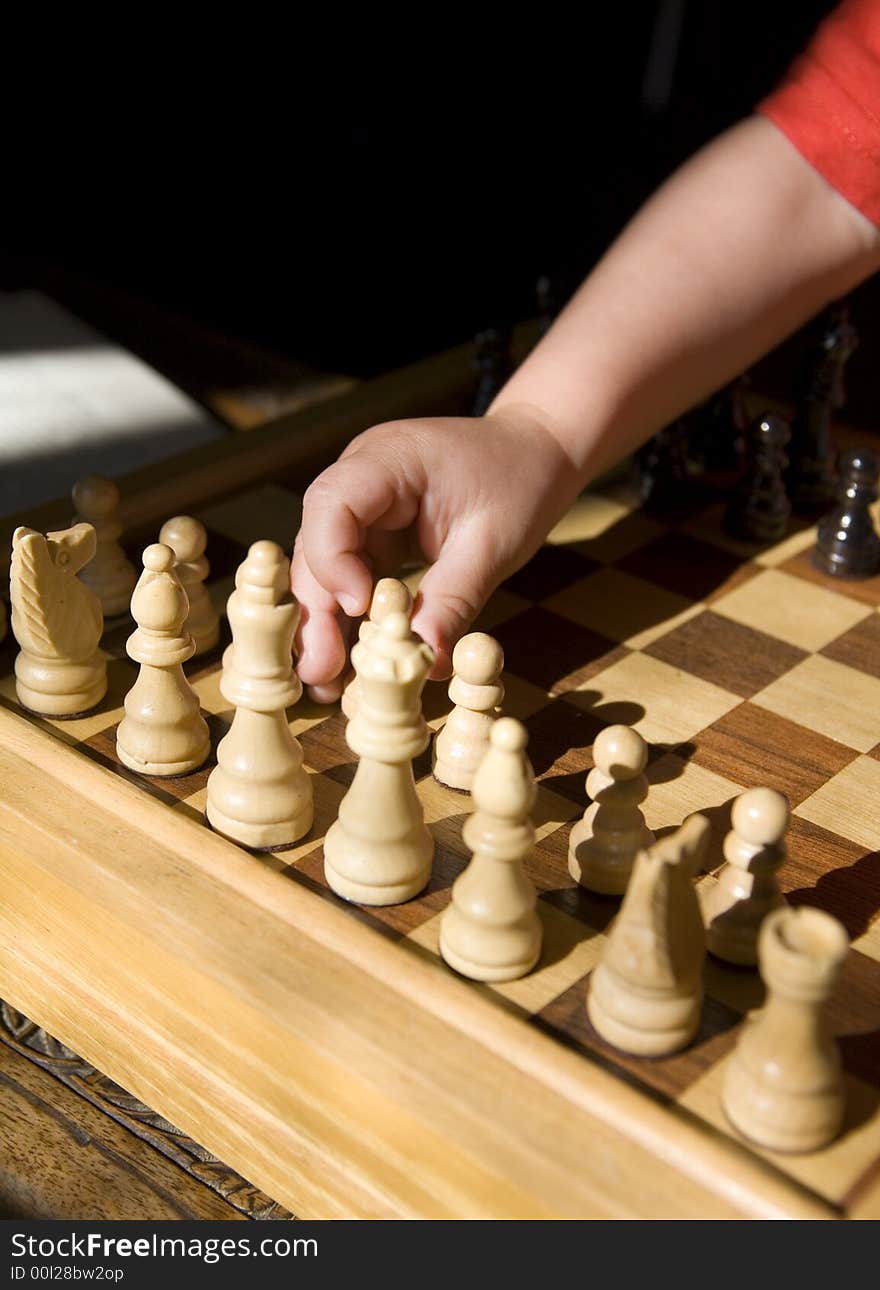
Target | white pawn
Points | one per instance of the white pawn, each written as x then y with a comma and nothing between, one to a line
491,930
259,793
646,994
390,596
476,689
162,732
187,538
747,890
782,1085
110,574
604,844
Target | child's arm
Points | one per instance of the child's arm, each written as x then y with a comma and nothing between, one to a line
735,251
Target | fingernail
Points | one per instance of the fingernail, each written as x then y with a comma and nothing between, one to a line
349,604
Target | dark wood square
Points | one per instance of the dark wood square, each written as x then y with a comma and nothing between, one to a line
752,747
831,873
550,570
717,649
552,652
859,647
682,563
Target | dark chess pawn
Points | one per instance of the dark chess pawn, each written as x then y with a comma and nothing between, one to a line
810,475
847,545
759,509
662,466
718,430
494,364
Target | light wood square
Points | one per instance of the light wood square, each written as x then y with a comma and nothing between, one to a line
788,547
591,514
676,704
266,512
570,950
678,788
848,803
791,608
622,607
210,699
830,698
831,1172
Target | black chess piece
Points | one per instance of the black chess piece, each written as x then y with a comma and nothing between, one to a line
662,466
759,509
847,545
545,300
717,431
810,475
494,364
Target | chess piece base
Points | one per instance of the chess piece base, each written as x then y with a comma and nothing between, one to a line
163,769
360,893
262,837
59,688
515,951
789,1124
639,1024
205,639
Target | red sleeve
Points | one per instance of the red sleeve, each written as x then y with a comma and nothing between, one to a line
829,103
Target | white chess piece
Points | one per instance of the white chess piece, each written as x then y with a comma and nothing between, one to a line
491,930
110,575
746,889
783,1087
187,538
57,621
390,596
162,732
379,851
476,689
646,994
259,793
604,844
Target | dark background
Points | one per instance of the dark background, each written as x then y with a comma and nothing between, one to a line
359,222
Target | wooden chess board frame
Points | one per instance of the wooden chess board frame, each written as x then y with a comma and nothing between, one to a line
340,1071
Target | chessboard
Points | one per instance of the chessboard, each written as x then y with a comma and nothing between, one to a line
325,1050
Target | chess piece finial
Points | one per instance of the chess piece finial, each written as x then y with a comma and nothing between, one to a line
162,733
477,690
259,793
747,890
379,851
188,539
390,596
847,545
491,930
57,621
646,994
759,509
782,1085
605,842
110,574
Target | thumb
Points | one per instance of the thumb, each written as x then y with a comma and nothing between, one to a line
451,594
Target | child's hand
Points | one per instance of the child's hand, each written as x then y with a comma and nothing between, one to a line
475,497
